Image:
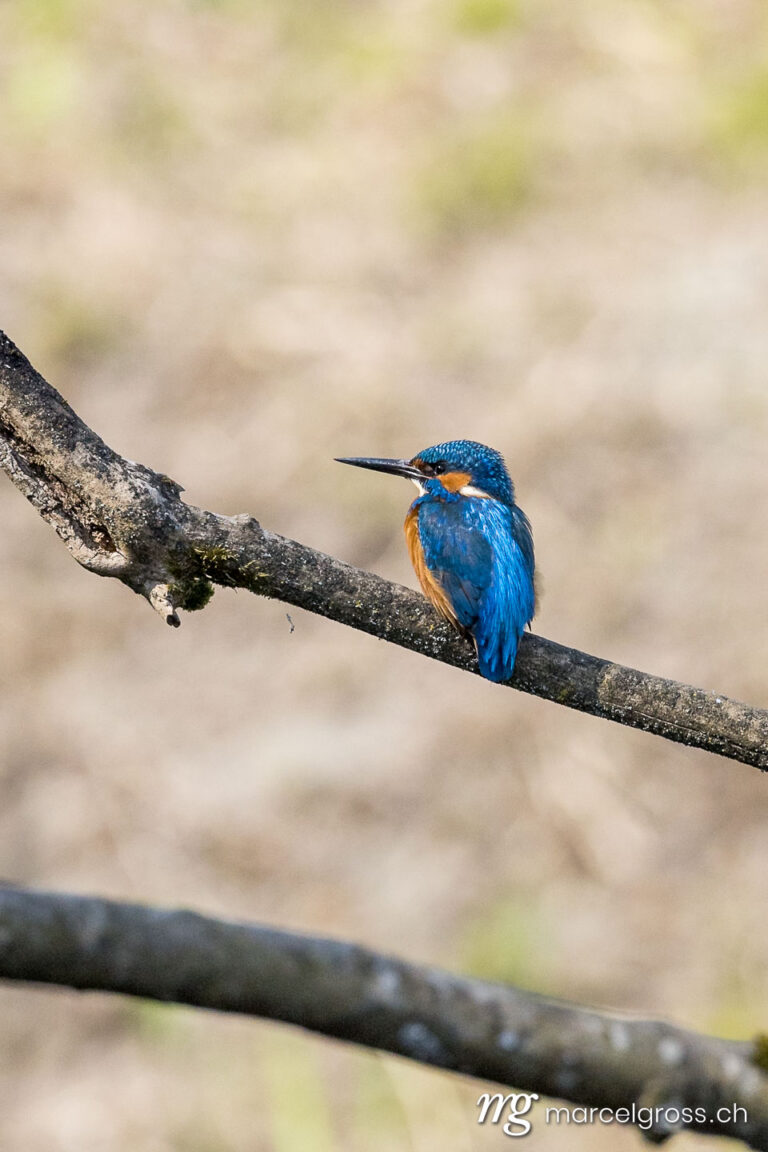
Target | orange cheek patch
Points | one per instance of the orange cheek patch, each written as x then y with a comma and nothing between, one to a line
454,481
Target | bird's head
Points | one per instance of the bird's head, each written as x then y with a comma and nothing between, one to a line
458,466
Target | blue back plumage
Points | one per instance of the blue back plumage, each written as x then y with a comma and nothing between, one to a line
478,547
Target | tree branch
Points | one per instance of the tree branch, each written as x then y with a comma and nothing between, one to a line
120,519
489,1031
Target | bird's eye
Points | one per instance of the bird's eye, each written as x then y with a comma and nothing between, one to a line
435,469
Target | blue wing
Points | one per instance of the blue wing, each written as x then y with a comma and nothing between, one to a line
481,552
458,553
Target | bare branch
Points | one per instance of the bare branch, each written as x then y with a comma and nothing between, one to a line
121,519
490,1031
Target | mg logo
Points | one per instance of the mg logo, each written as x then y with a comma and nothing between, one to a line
516,1104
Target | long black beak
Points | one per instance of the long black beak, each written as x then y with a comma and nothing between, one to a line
395,467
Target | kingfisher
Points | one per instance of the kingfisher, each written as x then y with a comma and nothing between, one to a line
470,545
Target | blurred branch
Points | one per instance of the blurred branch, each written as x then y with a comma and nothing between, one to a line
490,1031
120,519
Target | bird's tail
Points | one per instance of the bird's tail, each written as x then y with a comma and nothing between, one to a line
496,655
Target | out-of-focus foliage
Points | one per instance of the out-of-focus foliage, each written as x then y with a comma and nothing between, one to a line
477,177
741,119
244,238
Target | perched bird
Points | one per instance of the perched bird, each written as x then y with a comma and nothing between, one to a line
470,544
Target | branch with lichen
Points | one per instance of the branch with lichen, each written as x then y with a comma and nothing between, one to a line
490,1031
124,520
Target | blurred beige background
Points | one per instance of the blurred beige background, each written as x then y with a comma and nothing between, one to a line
243,238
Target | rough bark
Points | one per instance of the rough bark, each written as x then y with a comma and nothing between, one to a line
123,520
490,1031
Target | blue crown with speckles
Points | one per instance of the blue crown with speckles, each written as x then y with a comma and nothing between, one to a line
485,466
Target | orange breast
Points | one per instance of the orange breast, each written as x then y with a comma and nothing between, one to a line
432,589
